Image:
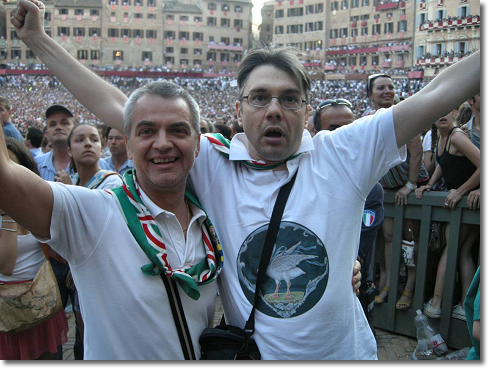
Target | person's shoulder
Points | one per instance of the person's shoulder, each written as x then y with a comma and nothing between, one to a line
42,157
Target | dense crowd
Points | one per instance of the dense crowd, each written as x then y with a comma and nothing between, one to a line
31,94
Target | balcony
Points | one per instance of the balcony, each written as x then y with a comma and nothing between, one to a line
453,23
213,46
438,60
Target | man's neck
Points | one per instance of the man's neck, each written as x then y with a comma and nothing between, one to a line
61,157
119,161
476,121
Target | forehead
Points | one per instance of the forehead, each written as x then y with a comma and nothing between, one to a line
85,130
269,78
115,133
159,110
382,81
339,115
58,116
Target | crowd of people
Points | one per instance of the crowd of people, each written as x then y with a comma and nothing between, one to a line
160,223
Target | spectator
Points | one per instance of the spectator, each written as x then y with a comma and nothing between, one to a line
8,128
459,164
118,160
21,257
222,129
33,141
235,128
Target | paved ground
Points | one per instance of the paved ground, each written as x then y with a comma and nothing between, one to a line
390,346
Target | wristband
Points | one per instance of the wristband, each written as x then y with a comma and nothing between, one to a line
411,186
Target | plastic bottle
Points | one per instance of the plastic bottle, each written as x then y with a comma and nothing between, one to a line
456,355
438,343
424,337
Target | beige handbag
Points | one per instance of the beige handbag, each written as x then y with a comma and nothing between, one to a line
27,304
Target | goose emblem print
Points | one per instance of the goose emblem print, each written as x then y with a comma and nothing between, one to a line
297,274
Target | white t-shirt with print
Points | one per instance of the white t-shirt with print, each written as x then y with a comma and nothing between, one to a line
126,313
320,317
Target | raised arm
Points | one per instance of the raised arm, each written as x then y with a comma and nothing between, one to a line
448,90
24,196
97,95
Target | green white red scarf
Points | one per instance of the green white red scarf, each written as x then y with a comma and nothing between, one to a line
222,144
148,235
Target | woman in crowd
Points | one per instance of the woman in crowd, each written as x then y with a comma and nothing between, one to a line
21,256
403,178
85,149
459,165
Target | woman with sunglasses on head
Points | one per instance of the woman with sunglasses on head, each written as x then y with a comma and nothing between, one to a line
458,163
21,256
403,178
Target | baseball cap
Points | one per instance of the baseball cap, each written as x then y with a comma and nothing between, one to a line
55,108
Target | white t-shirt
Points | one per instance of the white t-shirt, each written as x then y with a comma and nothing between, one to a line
321,318
126,313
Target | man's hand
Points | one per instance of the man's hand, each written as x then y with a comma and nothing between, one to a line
28,18
401,196
452,199
356,277
474,199
62,177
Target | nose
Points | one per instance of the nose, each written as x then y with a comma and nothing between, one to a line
162,142
274,109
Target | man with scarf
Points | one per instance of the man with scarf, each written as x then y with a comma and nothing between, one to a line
306,311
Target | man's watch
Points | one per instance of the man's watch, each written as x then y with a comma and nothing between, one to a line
411,185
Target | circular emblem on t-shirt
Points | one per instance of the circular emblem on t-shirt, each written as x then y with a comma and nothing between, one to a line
297,274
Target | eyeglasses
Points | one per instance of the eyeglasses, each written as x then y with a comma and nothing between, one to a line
337,102
288,101
371,79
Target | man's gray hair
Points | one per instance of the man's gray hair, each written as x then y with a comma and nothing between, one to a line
284,58
163,89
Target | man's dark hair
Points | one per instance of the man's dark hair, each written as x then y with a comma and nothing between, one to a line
283,58
222,129
35,135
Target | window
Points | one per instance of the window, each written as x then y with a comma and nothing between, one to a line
151,2
364,2
238,23
421,19
29,54
389,15
224,22
237,41
184,35
198,36
319,26
94,12
138,3
197,19
210,56
280,13
151,33
225,40
169,59
212,6
125,32
319,8
15,54
420,51
169,34
82,54
211,21
334,6
364,17
211,39
47,16
238,9
224,57
463,11
354,32
95,54
352,61
63,31
402,26
354,3
344,4
334,33
151,16
279,30
138,33
147,55
364,31
309,9
113,32
294,28
376,29
343,32
63,11
170,17
169,50
183,18
388,27
224,7
375,59
237,58
309,27
137,15
438,49
440,14
79,12
295,12
184,51
197,51
363,60
118,55
184,62
462,47
79,31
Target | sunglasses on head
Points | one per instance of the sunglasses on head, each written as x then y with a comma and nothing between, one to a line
337,102
372,78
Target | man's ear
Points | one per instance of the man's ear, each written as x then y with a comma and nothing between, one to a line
128,147
239,112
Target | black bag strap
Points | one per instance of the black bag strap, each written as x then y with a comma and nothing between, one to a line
179,317
270,240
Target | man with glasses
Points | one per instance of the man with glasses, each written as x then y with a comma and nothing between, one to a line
306,310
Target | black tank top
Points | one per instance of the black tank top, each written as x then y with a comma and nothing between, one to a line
456,170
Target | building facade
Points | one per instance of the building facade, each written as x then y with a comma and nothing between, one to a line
178,35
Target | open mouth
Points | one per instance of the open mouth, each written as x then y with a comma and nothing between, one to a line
272,133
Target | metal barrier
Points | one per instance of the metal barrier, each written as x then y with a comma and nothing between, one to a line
429,208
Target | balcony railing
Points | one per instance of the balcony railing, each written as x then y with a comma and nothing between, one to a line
429,208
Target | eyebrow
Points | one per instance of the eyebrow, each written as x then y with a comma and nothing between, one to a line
149,123
264,89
